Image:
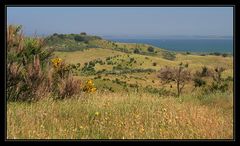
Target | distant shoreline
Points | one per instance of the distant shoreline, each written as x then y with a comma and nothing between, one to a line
193,45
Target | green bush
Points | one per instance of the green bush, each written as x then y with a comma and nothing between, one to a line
169,55
136,51
198,82
79,38
150,49
215,53
83,33
224,55
26,66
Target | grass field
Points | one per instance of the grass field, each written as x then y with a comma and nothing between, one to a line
122,116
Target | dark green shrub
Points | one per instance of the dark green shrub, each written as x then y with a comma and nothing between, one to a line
61,36
218,82
154,64
169,55
229,78
131,60
224,55
215,53
136,51
79,38
198,82
223,86
150,49
83,33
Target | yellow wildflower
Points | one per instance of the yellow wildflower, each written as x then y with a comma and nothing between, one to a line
142,130
56,62
89,87
96,113
89,82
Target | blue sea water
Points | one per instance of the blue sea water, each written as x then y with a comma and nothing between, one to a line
222,45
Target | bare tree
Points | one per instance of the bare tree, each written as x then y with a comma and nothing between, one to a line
179,75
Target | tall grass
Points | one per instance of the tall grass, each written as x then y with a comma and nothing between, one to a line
120,116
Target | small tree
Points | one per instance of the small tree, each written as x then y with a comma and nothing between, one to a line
150,49
198,82
136,51
154,64
224,55
79,38
179,75
83,33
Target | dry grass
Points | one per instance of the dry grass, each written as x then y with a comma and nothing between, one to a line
121,116
86,55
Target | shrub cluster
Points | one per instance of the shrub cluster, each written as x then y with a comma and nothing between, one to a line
26,66
32,74
181,75
169,55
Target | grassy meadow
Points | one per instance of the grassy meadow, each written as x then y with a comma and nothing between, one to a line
113,91
122,116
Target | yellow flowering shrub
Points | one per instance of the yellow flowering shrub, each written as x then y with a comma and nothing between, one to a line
89,87
60,67
57,62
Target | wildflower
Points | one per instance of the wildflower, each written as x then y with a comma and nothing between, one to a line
137,116
164,109
160,130
89,87
90,82
75,129
56,62
93,89
96,113
142,130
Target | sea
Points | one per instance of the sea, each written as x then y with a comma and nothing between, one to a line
198,45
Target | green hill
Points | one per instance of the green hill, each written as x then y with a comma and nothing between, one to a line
80,42
116,65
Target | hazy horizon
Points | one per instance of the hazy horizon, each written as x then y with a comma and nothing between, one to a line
148,21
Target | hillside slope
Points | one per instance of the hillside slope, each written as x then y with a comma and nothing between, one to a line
80,42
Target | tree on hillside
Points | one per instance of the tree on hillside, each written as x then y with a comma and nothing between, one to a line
79,38
150,49
83,33
61,36
179,75
136,51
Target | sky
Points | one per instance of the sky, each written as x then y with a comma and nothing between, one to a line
160,21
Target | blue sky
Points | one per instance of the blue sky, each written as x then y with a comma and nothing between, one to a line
124,20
